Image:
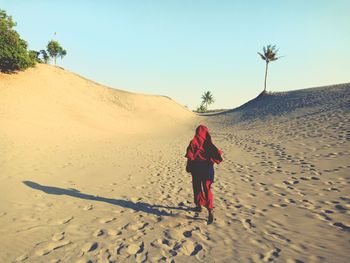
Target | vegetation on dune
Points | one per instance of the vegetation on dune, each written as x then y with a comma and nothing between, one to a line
45,57
207,99
55,50
14,54
269,54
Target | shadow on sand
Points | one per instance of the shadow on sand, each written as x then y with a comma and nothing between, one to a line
138,206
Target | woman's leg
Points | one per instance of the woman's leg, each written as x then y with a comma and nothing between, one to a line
208,196
197,190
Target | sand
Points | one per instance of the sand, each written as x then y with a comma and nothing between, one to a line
93,174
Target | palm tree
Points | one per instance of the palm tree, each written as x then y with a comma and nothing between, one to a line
270,54
207,99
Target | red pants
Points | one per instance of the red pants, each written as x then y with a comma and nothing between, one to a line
201,190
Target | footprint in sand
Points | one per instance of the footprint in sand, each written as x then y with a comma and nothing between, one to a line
187,233
83,260
113,232
121,248
142,257
99,232
88,207
137,248
247,223
106,220
328,211
290,201
156,243
277,236
51,247
342,226
304,178
272,255
258,242
323,217
88,247
135,199
3,214
21,258
105,256
331,189
138,226
294,261
65,221
173,234
188,248
58,236
136,237
341,208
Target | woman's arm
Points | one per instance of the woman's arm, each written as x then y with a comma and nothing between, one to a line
188,166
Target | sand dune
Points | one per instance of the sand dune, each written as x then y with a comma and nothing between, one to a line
53,100
90,174
274,104
285,183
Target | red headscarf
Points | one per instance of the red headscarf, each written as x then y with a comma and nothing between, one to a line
202,148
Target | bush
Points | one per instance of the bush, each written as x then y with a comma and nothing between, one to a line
202,108
13,50
34,55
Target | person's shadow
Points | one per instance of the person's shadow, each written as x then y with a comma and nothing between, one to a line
138,206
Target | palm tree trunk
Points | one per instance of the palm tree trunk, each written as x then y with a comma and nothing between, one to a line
267,64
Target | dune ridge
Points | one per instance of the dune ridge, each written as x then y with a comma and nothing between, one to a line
273,104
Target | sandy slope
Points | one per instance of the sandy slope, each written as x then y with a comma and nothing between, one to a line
62,102
95,175
48,114
62,130
283,193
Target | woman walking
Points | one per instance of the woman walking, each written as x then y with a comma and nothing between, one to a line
201,155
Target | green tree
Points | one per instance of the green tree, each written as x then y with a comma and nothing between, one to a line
269,54
13,50
55,50
207,99
45,56
34,55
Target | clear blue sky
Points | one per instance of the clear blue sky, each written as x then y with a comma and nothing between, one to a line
185,47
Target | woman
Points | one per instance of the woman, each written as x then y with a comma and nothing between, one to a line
201,155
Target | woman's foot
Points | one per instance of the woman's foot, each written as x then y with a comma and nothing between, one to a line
197,209
210,216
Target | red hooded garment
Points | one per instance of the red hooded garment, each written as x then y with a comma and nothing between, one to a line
202,148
